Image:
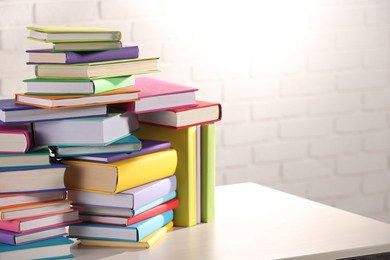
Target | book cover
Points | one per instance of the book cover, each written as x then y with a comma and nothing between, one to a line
39,157
13,238
132,198
184,142
12,113
15,139
121,175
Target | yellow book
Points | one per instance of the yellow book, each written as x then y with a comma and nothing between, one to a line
184,142
146,242
121,175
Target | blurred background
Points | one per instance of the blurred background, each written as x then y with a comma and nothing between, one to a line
304,84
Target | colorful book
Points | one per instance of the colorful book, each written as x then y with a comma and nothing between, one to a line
208,171
156,95
133,233
15,139
86,46
203,113
69,57
198,175
127,144
123,212
126,221
13,238
23,198
12,113
58,86
133,198
32,178
98,131
126,94
40,157
146,242
36,223
184,142
34,209
72,34
121,175
101,69
148,146
53,248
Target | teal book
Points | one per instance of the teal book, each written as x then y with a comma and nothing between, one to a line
40,157
132,233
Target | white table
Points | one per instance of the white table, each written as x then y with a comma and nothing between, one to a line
255,222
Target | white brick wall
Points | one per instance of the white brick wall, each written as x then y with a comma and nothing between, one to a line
305,89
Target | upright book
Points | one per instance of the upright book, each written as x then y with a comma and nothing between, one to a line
15,139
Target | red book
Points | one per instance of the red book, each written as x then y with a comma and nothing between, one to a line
203,113
15,139
125,221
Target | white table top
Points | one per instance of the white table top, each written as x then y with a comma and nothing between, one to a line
255,222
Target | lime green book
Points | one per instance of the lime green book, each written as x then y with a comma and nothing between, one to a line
60,86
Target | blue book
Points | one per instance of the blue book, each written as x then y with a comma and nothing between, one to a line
132,233
12,113
54,248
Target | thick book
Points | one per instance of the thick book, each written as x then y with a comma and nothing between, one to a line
100,69
127,144
36,223
184,142
203,113
123,212
126,221
121,175
126,94
133,233
58,86
23,198
53,248
148,146
96,131
146,242
86,46
156,95
32,178
48,56
133,198
14,238
12,113
72,34
39,157
16,139
34,209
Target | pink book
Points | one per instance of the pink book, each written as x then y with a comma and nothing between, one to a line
15,138
157,95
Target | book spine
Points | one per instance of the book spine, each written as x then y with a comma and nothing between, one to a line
82,57
10,225
7,238
150,225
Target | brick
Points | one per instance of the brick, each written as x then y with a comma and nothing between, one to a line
360,122
15,39
176,72
333,61
14,62
378,58
16,13
249,133
251,89
262,174
129,9
307,85
362,205
335,146
362,38
377,141
183,51
377,100
279,108
307,169
305,128
334,188
213,70
376,183
320,41
233,157
278,152
340,17
286,63
361,163
236,113
157,29
209,91
378,16
348,81
334,104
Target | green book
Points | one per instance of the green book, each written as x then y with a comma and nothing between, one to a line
208,156
39,157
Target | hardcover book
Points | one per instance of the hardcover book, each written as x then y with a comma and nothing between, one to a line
38,157
15,139
86,46
13,238
23,198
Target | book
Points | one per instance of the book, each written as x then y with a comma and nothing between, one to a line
32,178
40,157
198,175
102,69
146,242
148,146
123,212
133,233
132,198
127,144
203,113
184,142
34,209
13,238
96,131
53,248
12,113
71,57
72,34
86,46
60,86
121,175
126,221
23,198
208,172
126,94
36,223
156,95
15,139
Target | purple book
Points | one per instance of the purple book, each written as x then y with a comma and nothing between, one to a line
148,146
47,56
14,238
